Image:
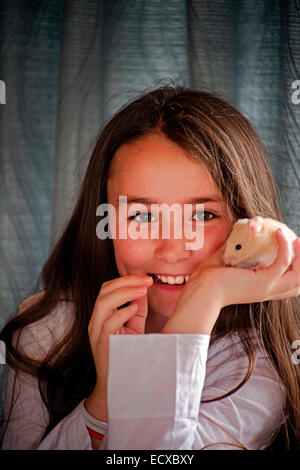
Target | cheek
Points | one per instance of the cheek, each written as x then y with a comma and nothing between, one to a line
131,256
215,238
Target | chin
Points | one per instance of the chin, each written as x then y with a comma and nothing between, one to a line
161,309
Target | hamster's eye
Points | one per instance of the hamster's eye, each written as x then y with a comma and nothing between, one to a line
238,247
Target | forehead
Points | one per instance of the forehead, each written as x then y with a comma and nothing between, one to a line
155,166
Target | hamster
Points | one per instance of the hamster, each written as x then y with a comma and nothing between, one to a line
252,243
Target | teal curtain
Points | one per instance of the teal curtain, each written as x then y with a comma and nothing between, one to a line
68,65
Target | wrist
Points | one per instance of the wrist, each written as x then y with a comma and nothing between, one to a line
196,316
96,406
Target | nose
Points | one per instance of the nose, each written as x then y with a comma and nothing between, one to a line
230,259
172,250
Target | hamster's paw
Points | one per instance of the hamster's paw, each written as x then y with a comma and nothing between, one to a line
258,266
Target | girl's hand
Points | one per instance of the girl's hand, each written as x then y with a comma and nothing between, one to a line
107,320
242,286
213,285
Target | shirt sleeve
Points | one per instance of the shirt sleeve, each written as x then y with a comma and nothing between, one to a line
72,433
159,378
156,383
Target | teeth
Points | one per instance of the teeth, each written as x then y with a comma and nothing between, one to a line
173,279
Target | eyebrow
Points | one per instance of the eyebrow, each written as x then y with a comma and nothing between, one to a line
193,200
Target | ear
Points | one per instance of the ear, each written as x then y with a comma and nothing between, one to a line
255,224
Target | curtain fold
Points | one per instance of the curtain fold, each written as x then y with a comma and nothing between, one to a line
29,66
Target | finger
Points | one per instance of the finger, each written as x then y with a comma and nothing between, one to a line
282,260
130,280
120,296
295,266
117,320
289,286
290,279
137,323
286,295
104,306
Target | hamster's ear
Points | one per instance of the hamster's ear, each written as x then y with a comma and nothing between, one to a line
255,224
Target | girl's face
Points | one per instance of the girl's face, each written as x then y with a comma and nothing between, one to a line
158,169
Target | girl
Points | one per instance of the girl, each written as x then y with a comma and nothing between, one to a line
198,353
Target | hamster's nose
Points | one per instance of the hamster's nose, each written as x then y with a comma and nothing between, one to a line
230,260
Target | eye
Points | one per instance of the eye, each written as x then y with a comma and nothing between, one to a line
205,212
144,217
238,247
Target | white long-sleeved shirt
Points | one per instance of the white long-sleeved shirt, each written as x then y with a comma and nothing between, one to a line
155,386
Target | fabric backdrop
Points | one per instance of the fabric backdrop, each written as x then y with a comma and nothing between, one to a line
67,66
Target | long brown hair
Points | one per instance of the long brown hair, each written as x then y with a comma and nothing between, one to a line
218,135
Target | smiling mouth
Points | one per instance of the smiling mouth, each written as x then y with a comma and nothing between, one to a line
169,280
